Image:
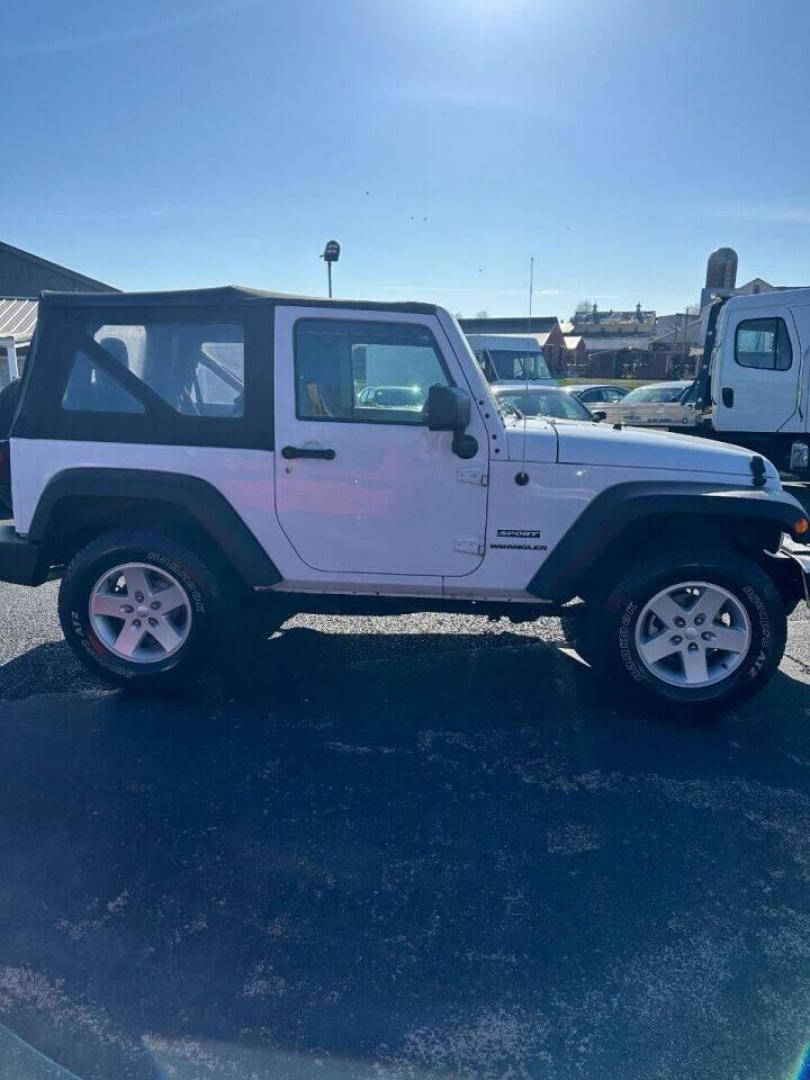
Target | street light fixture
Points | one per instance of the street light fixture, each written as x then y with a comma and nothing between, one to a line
331,254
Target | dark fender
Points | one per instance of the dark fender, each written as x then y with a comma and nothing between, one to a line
621,507
199,499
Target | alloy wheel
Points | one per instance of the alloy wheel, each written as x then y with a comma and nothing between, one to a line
693,634
141,614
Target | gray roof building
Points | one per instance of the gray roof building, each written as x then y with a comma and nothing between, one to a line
25,275
17,318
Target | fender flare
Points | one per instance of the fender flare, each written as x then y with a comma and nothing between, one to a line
620,507
198,498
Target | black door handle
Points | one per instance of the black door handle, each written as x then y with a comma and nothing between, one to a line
305,451
728,396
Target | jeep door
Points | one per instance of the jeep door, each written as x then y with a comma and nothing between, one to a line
361,484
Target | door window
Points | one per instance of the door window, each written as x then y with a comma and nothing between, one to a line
364,371
763,343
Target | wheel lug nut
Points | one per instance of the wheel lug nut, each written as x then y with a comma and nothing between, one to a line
707,635
127,609
136,622
152,621
139,597
699,620
676,640
680,622
693,646
155,605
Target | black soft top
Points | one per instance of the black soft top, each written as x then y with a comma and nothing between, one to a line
225,294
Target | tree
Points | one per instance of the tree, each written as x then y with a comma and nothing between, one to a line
482,314
584,307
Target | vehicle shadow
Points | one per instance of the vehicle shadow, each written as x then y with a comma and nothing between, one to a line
395,854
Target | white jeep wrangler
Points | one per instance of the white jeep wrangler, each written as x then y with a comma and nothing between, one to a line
176,456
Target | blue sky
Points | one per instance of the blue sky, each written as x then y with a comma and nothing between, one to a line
443,142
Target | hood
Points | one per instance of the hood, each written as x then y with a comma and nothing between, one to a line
584,443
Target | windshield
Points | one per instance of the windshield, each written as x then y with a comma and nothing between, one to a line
538,403
654,395
519,364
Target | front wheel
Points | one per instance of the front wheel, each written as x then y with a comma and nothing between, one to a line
701,628
141,610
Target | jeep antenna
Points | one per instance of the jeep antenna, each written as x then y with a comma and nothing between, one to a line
522,477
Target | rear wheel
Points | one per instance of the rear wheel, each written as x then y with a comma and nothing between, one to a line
696,627
140,609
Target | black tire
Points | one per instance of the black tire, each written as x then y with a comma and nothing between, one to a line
208,611
612,644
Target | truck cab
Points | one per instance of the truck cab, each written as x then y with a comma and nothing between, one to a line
511,359
182,461
759,375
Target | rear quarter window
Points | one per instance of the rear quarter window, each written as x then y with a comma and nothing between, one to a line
152,373
198,369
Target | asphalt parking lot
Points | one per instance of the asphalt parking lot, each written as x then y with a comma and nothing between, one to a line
408,848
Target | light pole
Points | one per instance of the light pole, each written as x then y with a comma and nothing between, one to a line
331,254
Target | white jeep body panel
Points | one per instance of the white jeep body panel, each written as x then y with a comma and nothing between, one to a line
557,493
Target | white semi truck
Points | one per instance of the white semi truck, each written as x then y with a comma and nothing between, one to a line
753,387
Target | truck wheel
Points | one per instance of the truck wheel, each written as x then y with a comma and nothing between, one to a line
140,610
696,627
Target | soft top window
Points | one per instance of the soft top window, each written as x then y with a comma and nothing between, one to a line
185,375
196,368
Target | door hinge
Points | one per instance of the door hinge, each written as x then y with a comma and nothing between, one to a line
469,545
473,474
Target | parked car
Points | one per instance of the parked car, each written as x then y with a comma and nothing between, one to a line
597,393
173,491
551,401
392,397
657,405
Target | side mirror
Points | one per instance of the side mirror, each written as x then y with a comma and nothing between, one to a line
447,409
600,414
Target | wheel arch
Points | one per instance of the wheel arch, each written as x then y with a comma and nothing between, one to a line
79,503
627,522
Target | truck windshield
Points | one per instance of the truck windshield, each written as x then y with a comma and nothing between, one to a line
519,364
